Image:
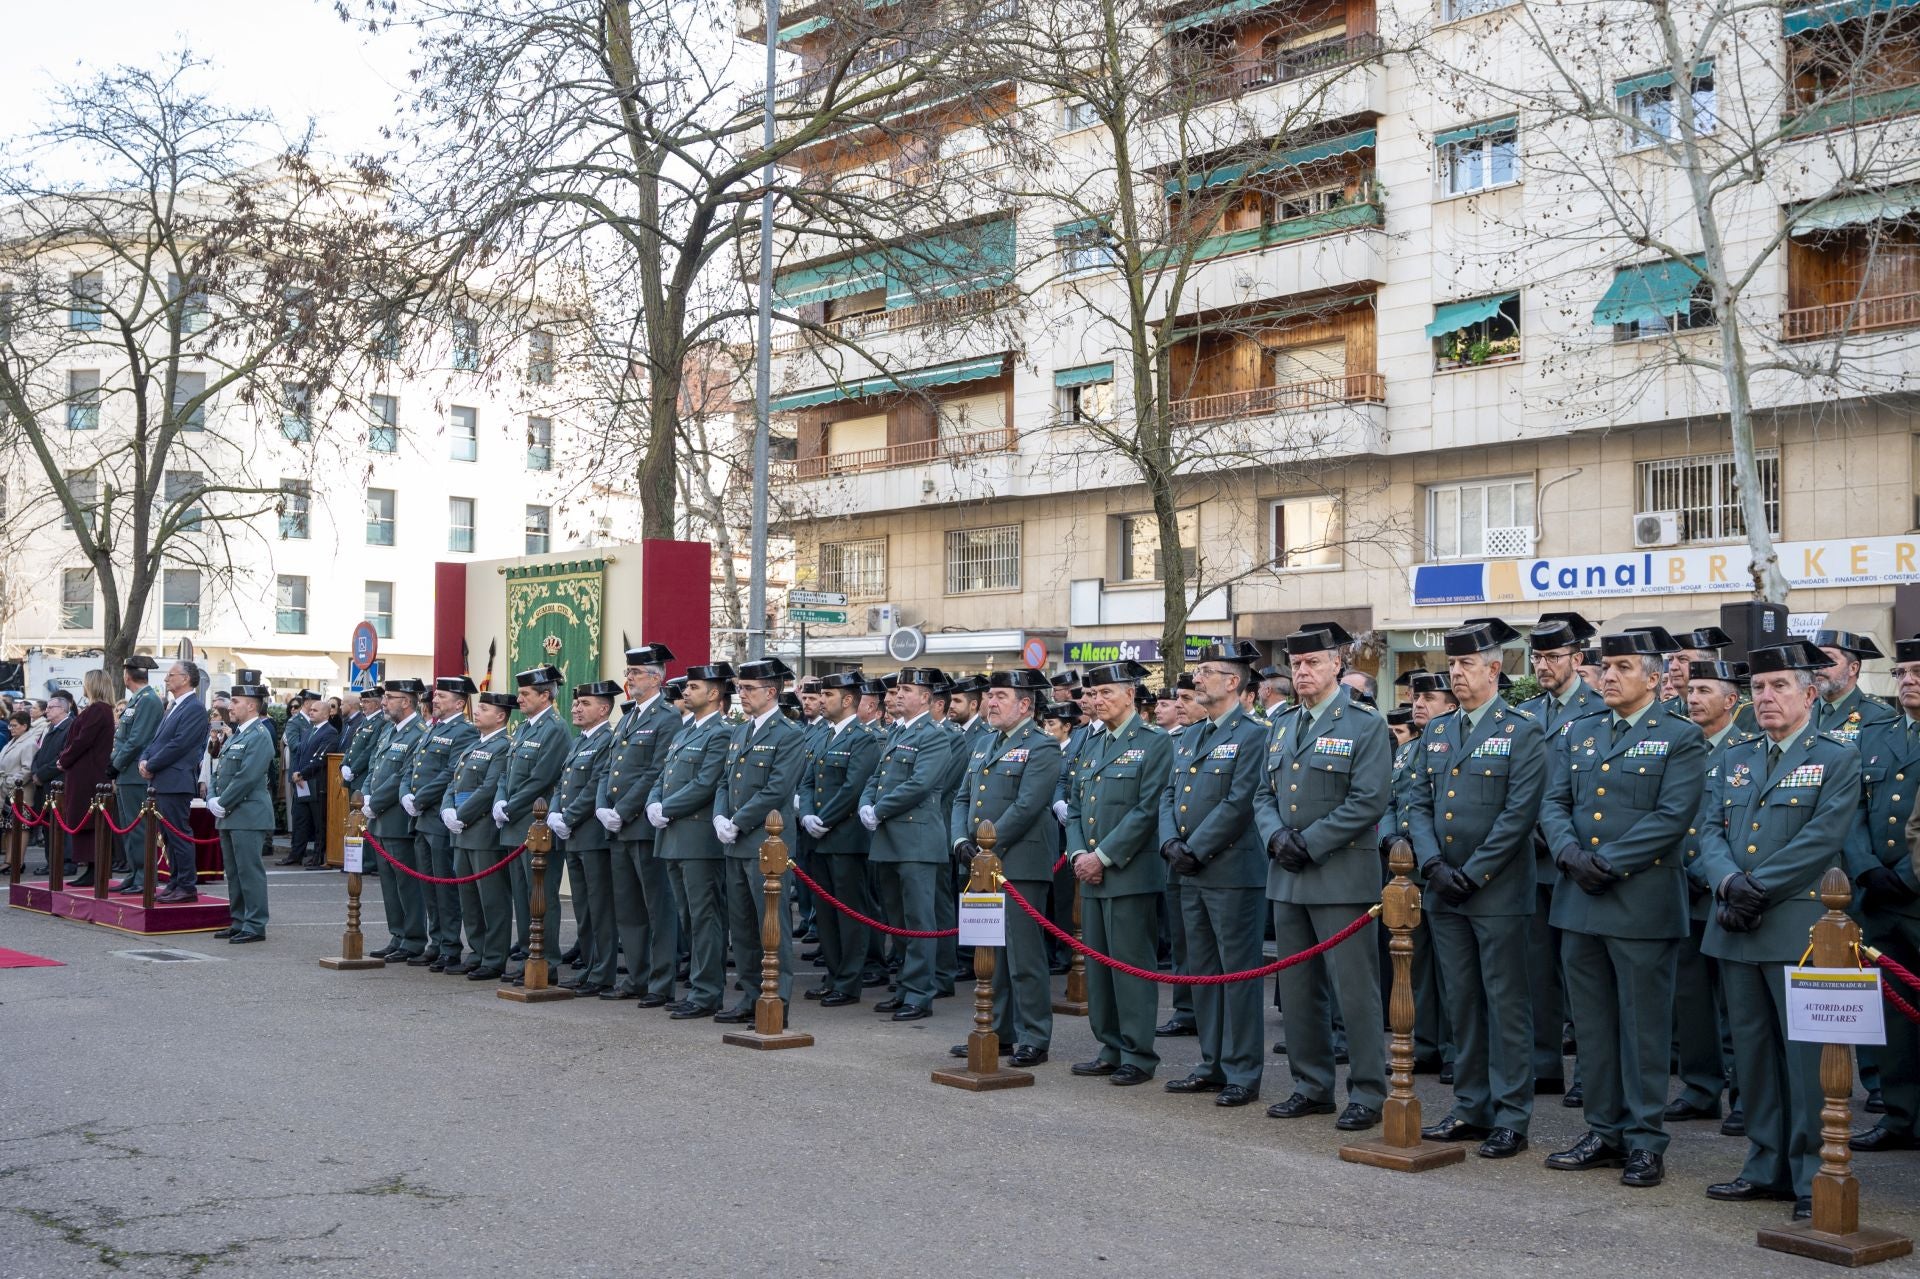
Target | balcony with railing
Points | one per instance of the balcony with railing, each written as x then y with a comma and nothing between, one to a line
940,311
1288,397
1853,266
865,72
945,448
1861,315
1233,76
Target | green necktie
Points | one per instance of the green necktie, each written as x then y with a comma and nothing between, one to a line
1773,759
1619,726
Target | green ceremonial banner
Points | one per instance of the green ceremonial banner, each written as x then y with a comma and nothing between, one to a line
553,618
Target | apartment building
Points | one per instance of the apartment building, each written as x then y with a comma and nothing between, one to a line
1437,353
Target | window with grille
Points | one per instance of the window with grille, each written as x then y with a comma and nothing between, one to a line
180,599
459,524
384,435
76,599
1137,556
379,610
1479,519
983,559
290,605
855,569
1706,493
296,499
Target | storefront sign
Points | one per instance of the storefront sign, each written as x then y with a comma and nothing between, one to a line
1100,652
1711,570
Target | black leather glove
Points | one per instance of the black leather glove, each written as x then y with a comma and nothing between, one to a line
1276,842
1180,858
1386,844
1459,886
1883,886
112,773
1694,891
965,851
1745,894
1588,871
1293,856
1735,920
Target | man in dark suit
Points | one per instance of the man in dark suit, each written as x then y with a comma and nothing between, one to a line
46,756
309,769
171,765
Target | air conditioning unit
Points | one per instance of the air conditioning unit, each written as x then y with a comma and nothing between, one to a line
1507,543
1656,528
883,619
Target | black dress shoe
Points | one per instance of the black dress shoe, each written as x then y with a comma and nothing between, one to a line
1881,1137
1740,1191
244,939
1128,1076
1446,1074
1679,1111
893,1005
126,886
571,955
461,969
913,1012
226,933
811,956
1299,1106
960,1050
288,861
1025,1055
734,1016
816,992
1357,1118
175,896
1574,1099
1735,1124
1803,1209
1876,1103
615,994
1644,1170
1237,1095
1451,1129
1591,1151
81,881
517,953
688,1012
422,960
1501,1143
1194,1083
1427,1065
437,966
1172,1029
1549,1087
1279,1047
653,1001
1095,1068
484,974
838,999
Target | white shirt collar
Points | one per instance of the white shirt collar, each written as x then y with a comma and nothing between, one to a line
641,707
759,721
597,727
704,718
910,722
848,722
403,723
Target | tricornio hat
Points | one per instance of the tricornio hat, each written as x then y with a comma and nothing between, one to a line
1848,642
1115,673
1634,643
925,676
1064,712
1907,650
1318,637
412,687
505,701
1731,672
1400,715
1465,641
769,670
1559,630
539,677
599,688
1502,633
1796,656
841,679
649,655
1663,640
1707,639
674,689
1023,679
1240,652
461,684
1430,682
716,672
249,684
140,662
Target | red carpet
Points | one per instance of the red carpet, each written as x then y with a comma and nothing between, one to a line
21,959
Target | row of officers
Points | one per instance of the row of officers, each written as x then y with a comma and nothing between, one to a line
1599,856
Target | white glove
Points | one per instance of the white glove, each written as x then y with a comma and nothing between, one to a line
214,807
610,819
558,825
814,826
868,818
450,818
346,774
1060,811
657,816
406,802
499,812
725,829
366,809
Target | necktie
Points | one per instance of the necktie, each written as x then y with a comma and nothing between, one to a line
1619,727
1206,732
1773,759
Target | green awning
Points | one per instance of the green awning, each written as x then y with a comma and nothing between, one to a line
840,279
914,380
804,27
1297,158
1845,109
1216,13
1857,210
1813,16
1652,291
1659,79
1467,133
1085,375
951,264
1071,230
1451,317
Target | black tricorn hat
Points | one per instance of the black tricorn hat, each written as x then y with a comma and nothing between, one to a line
599,688
1638,642
1065,712
539,677
1731,672
460,684
1400,715
969,684
1798,655
770,670
1663,640
1430,682
1066,679
649,655
1022,679
873,687
1318,637
505,701
811,684
715,672
1405,678
1853,644
140,662
1474,637
926,676
1502,633
404,685
1184,681
1270,671
842,679
1707,639
1240,652
1907,650
1559,630
1115,673
674,689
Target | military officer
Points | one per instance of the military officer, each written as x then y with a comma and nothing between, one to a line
1844,708
1327,781
971,727
1208,839
765,756
1555,649
578,833
836,772
428,772
1484,774
1186,712
1010,780
643,910
1703,645
539,755
1617,811
1112,834
681,807
1887,891
1433,1044
1670,696
392,826
243,810
1780,809
365,744
139,720
900,807
486,905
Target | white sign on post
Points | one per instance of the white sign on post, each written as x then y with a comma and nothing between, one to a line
1835,1006
354,858
983,919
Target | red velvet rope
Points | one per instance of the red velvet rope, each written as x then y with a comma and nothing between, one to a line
1894,968
71,830
857,917
120,830
1183,979
29,819
171,829
437,879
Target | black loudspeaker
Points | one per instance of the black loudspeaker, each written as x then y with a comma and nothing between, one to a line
1752,624
1906,613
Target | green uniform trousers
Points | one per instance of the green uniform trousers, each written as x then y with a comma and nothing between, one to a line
946,914
843,940
1354,968
520,884
1899,1057
1779,1080
1433,1038
909,891
241,851
644,917
1698,1050
1620,990
401,898
1176,916
593,913
702,885
128,797
1022,981
1224,935
583,903
486,907
1121,1009
746,907
1485,960
433,849
1544,987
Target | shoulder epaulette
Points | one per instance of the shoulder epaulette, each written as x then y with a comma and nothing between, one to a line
1522,712
1830,735
1368,707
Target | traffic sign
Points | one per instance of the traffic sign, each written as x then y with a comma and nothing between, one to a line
816,599
818,616
1034,654
366,645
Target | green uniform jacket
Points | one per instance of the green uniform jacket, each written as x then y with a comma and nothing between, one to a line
1330,779
635,761
1632,802
295,734
1408,772
540,748
389,777
240,779
138,723
1114,809
477,771
1890,783
579,790
365,745
763,770
432,768
1852,715
969,740
836,773
1012,785
1786,832
1479,803
689,780
1699,891
904,793
1070,752
1552,717
1208,800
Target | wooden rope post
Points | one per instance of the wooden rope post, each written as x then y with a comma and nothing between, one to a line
149,851
1073,1000
103,840
983,1071
769,1010
334,838
539,988
1835,1234
56,838
353,949
10,832
1399,1147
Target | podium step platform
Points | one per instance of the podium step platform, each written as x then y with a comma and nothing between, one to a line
122,912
